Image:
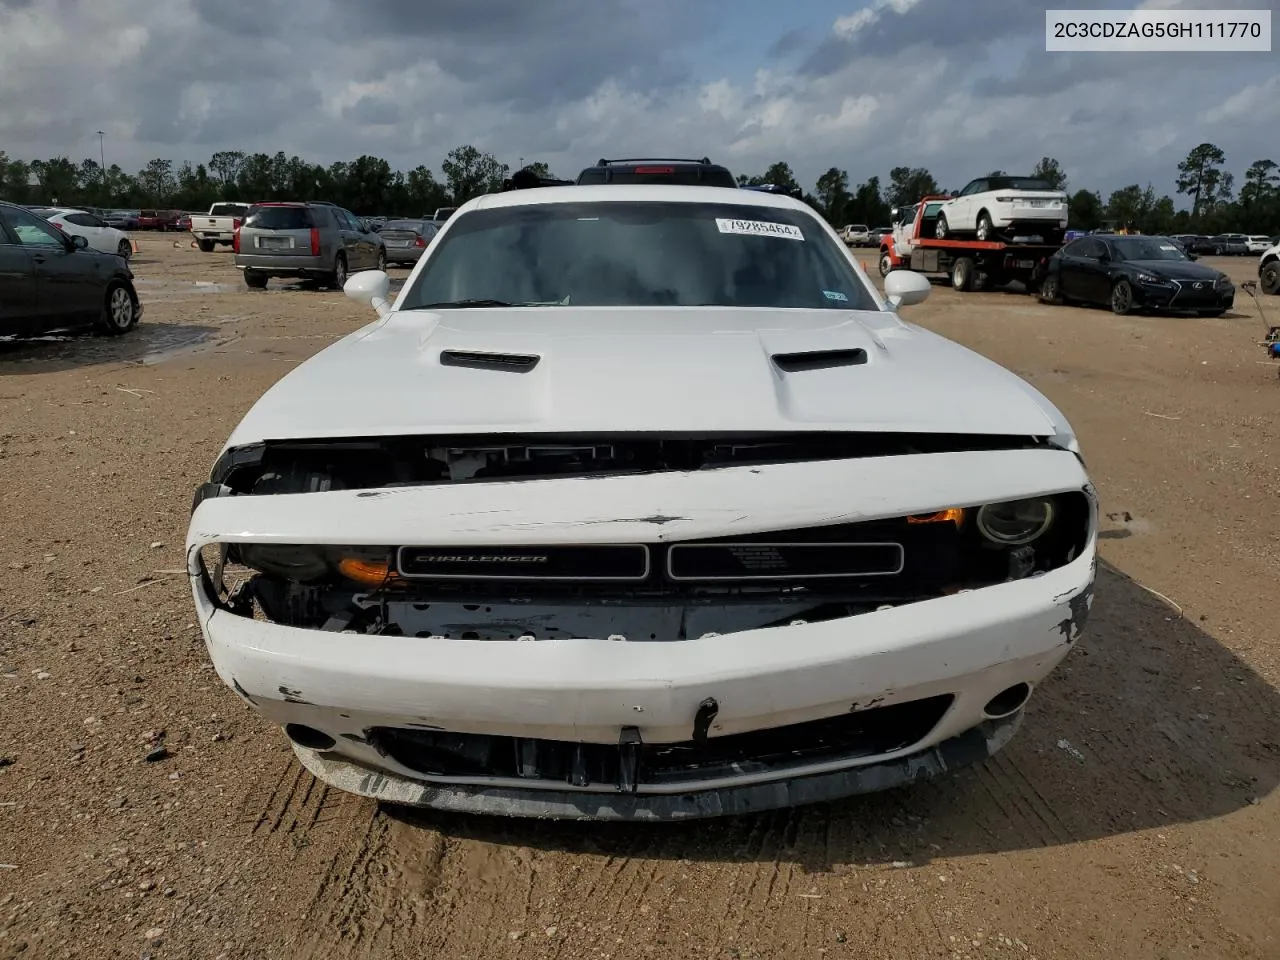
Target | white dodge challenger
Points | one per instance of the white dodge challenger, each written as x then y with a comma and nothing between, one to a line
641,503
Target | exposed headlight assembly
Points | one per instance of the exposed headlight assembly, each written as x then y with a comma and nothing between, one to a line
1015,522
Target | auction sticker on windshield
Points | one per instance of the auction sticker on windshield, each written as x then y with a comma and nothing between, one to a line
759,228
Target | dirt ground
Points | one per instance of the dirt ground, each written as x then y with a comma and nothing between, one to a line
1135,815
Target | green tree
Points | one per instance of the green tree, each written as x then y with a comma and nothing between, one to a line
1200,174
1085,210
779,174
909,184
1049,169
867,206
833,195
997,173
1260,183
157,182
59,179
224,166
470,173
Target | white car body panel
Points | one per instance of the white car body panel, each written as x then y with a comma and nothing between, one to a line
102,239
1258,244
598,670
717,376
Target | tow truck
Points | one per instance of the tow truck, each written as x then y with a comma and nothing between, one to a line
969,263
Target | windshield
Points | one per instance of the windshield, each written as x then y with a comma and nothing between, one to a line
639,253
1018,183
1147,248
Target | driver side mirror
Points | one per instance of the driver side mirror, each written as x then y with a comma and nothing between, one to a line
79,242
905,288
372,287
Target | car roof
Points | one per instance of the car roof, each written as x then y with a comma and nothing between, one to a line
620,193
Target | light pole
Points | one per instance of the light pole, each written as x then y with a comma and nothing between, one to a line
102,156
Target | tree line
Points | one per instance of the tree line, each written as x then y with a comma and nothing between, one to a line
369,186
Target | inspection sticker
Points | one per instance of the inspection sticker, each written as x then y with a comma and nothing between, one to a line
759,228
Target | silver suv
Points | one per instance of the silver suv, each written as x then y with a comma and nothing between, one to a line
313,241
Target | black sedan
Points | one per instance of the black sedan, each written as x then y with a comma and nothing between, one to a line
51,281
1131,273
407,239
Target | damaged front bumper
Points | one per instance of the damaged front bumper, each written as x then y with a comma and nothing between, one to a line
714,724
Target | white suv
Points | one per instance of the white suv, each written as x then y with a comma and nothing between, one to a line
991,206
1258,243
856,235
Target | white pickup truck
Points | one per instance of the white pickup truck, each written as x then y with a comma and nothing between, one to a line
218,226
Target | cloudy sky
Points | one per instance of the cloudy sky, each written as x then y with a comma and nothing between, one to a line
957,86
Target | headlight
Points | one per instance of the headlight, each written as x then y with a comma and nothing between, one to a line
1015,522
1222,281
1151,278
287,561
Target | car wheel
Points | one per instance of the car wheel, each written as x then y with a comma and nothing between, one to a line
886,265
940,227
1121,298
1050,290
1217,251
119,311
985,230
382,261
962,274
124,249
338,279
206,246
255,280
1269,278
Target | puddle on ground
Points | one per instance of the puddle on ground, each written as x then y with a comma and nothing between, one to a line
147,344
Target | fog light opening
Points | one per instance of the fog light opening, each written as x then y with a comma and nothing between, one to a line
1008,701
309,737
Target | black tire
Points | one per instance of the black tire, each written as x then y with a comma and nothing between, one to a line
255,280
338,278
206,246
1217,251
124,249
962,271
985,230
1269,279
1051,291
1121,298
940,227
119,310
382,261
886,264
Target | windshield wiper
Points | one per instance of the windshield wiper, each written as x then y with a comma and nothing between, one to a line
472,302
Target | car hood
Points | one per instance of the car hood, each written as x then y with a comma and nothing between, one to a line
1175,269
638,369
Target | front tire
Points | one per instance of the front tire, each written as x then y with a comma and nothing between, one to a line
1121,298
119,311
1270,278
985,230
962,274
382,261
886,265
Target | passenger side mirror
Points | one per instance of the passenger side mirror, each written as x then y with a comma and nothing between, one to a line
79,242
905,288
371,287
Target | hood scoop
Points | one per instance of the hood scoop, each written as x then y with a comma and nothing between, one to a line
509,362
819,359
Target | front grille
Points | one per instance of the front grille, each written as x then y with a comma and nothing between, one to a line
550,764
886,557
782,561
594,562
